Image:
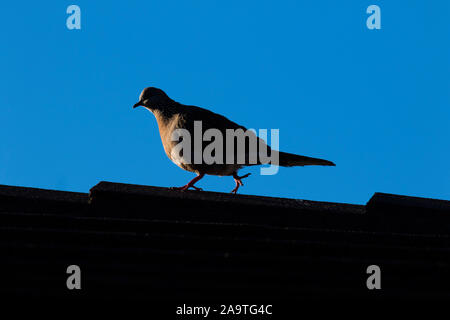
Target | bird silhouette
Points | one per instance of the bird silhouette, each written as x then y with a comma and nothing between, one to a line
172,116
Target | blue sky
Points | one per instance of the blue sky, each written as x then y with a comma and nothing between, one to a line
376,102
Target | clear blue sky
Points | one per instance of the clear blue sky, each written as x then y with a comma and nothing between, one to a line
376,102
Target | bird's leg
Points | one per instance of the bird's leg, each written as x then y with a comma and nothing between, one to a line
191,183
238,181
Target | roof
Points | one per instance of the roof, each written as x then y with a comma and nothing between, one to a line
140,242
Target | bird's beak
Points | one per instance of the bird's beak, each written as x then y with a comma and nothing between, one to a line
138,104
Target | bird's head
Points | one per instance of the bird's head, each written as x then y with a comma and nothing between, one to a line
151,95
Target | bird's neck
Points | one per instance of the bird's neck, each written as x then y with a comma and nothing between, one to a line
159,103
162,108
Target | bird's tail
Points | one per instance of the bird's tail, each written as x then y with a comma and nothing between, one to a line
291,160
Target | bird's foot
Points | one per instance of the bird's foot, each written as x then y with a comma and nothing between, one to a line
186,187
190,184
238,181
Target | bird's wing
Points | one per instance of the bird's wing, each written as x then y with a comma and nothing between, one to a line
211,120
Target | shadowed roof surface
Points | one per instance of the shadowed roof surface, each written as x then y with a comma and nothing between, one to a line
140,242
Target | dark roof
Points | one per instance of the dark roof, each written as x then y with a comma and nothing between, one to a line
140,242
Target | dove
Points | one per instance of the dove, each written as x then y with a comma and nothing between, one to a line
173,117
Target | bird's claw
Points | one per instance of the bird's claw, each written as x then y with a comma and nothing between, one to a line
186,187
190,184
239,182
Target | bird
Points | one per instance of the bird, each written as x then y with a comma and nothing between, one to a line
171,115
